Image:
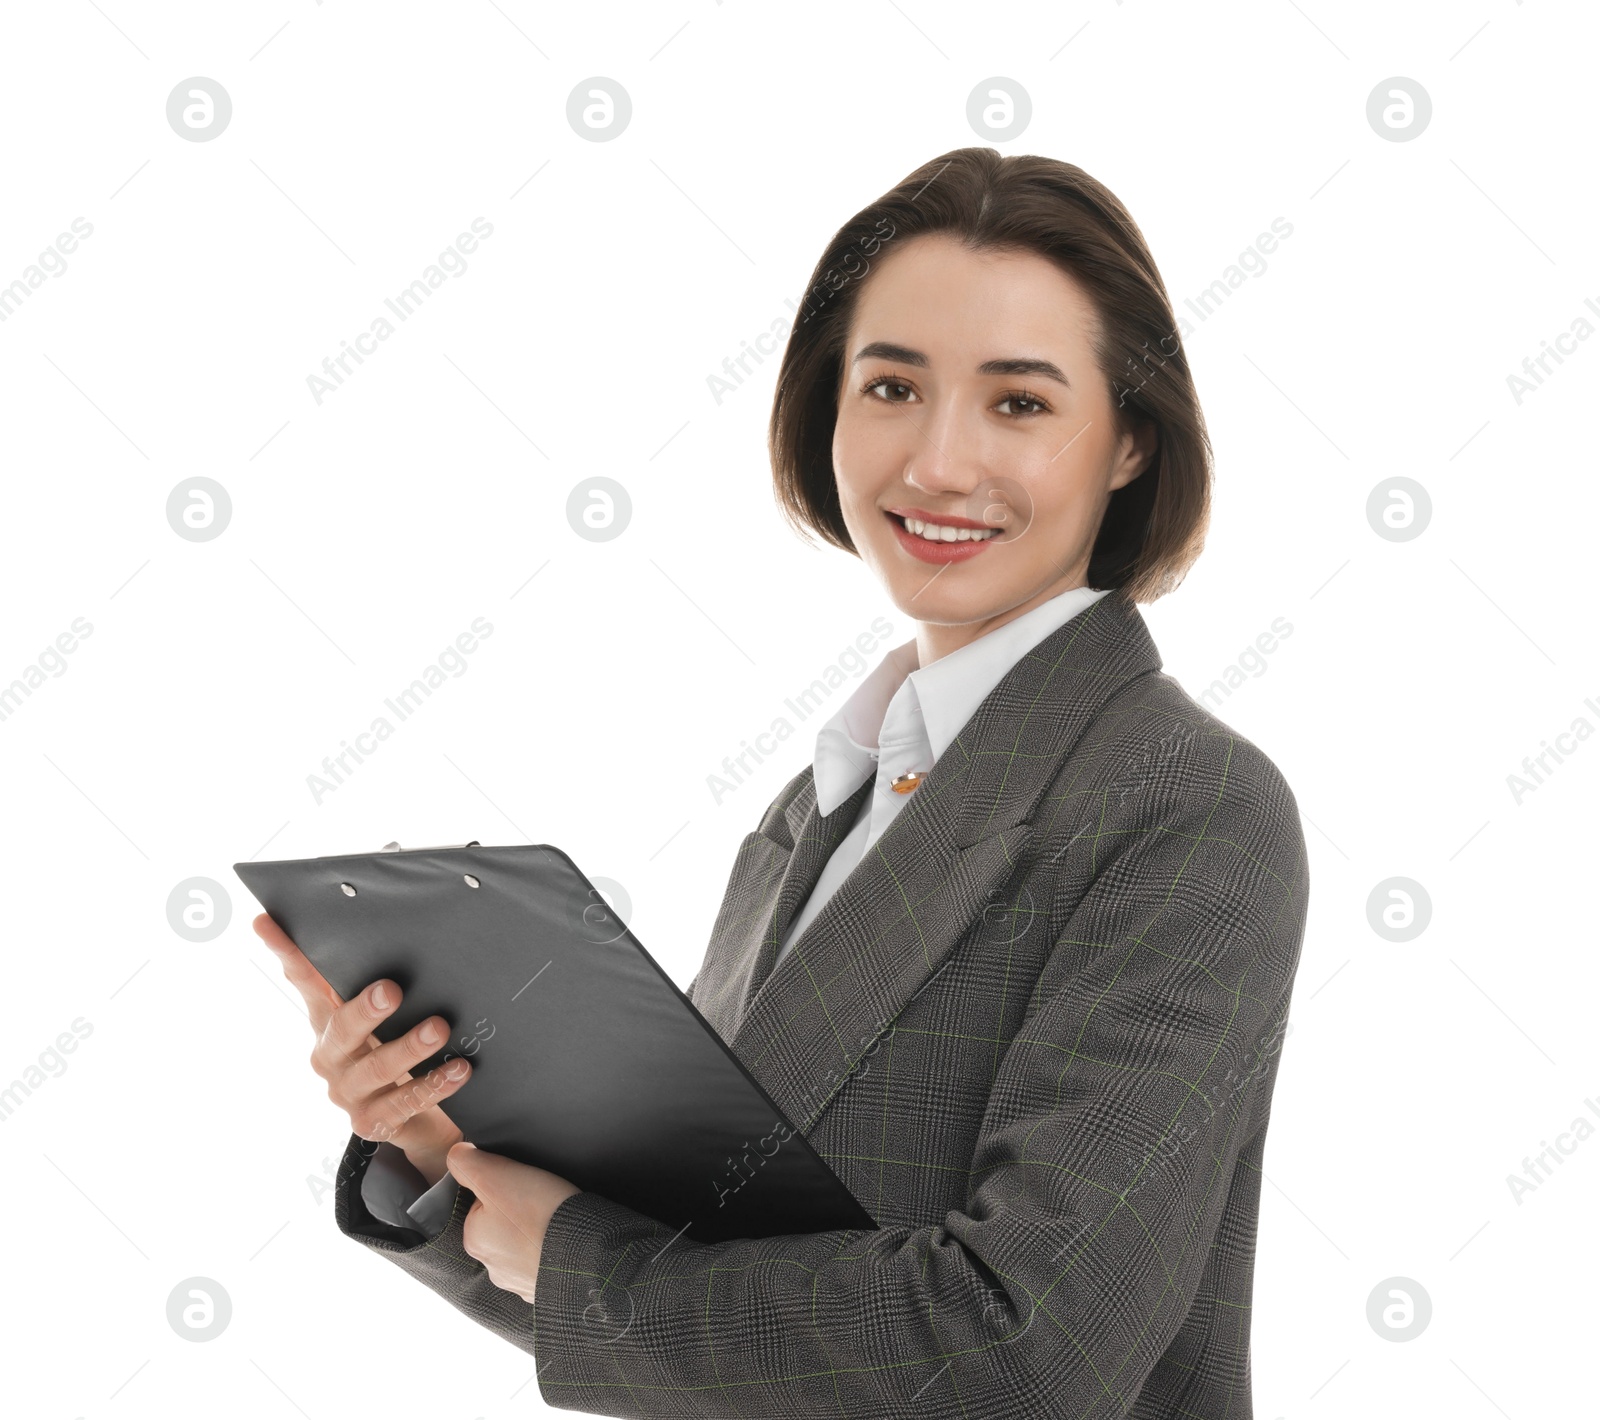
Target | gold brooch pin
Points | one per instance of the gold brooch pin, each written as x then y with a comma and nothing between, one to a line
905,783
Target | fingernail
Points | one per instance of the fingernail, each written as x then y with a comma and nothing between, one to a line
380,996
456,1068
430,1032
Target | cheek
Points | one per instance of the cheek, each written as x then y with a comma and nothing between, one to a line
863,457
1062,488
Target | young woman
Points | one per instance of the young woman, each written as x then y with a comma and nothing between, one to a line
1015,950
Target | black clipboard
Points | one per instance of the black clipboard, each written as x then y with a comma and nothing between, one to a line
587,1059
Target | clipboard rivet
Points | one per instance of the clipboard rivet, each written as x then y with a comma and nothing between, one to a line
470,880
348,889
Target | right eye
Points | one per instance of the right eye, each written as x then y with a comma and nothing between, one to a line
887,382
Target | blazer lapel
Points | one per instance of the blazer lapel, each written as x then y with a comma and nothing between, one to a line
771,878
813,839
941,867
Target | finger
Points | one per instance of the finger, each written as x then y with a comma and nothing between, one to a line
382,1115
320,998
391,1062
494,1177
348,1035
465,1162
505,1188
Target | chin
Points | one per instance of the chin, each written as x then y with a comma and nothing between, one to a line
922,600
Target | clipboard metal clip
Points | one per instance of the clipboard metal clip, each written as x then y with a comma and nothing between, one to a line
396,848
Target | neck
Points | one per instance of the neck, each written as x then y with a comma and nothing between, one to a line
936,639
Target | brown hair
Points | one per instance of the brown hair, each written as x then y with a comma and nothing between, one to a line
1154,527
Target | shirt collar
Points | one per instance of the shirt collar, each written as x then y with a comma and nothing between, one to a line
940,698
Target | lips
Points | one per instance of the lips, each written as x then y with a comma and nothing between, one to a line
942,552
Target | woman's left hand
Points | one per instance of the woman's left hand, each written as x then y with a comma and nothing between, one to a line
504,1228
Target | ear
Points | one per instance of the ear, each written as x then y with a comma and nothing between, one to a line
1135,449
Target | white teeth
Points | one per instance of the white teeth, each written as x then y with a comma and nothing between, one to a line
943,532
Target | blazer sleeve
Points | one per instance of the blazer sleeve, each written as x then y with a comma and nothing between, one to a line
1115,1121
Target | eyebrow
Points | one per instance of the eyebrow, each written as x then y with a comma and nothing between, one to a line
1016,365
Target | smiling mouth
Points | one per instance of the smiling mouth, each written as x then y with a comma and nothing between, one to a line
942,532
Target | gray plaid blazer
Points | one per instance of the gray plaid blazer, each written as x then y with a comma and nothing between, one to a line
1034,1031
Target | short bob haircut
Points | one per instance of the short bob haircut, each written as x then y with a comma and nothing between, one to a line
1155,526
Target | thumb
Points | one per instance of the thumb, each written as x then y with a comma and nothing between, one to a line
464,1163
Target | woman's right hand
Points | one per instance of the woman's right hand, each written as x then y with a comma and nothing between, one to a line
367,1078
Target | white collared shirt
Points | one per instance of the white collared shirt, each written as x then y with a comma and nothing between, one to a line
903,717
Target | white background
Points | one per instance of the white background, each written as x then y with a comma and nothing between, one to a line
187,1135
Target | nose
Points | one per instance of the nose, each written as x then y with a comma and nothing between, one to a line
948,454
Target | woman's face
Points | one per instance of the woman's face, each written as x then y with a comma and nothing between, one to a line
971,396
